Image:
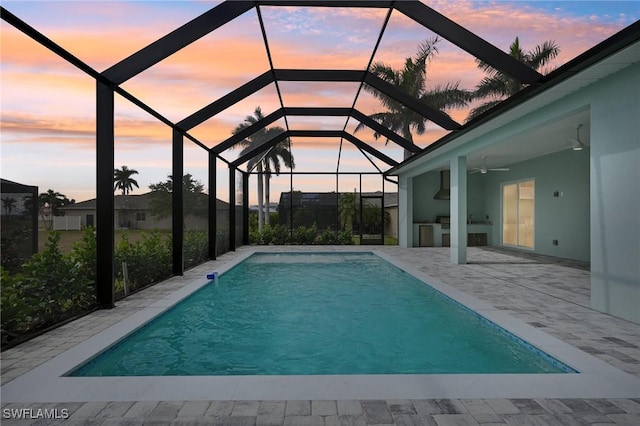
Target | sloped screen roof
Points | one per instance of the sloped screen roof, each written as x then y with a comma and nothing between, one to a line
307,64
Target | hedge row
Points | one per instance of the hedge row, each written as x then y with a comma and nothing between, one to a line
280,234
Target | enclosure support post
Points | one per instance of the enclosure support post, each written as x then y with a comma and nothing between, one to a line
382,210
177,200
245,208
104,195
361,222
458,210
405,211
291,205
213,206
34,219
232,208
337,205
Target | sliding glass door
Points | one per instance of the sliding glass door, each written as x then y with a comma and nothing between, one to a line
518,214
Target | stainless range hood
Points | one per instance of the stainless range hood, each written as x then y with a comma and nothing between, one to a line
445,186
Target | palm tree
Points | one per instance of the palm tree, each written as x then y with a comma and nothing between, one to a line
411,79
265,163
123,181
52,201
272,164
497,86
348,210
8,204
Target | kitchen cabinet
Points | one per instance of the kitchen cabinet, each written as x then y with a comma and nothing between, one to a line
425,236
428,234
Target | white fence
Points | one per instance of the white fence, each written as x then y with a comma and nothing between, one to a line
66,223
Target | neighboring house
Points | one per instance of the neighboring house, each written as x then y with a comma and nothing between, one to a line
321,208
133,212
19,222
308,208
569,150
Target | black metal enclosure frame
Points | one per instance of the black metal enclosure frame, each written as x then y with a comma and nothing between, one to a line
108,84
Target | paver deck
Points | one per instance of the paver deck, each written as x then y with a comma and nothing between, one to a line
547,293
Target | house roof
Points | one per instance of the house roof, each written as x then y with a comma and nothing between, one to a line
308,199
15,187
128,202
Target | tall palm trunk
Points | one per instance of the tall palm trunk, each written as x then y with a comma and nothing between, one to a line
407,135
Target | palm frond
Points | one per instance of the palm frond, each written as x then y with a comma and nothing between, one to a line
482,109
449,95
543,54
492,87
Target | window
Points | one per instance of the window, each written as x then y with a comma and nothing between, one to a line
518,214
140,216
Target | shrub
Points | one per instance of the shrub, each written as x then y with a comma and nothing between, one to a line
52,288
14,247
148,261
302,235
327,237
196,248
279,234
344,238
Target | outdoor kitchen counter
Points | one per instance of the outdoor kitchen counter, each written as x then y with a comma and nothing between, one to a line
472,228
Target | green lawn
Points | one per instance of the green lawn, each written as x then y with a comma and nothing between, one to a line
388,241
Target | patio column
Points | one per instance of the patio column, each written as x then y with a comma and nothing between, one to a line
213,206
405,211
458,208
177,199
104,195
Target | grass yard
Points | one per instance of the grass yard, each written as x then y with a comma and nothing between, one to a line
388,241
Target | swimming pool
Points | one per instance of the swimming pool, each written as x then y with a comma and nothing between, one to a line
318,314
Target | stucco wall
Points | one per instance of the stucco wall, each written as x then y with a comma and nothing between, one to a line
615,194
564,218
425,208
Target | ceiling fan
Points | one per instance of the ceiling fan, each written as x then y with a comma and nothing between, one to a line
576,144
484,168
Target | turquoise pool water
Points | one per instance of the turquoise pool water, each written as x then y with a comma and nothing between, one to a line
318,314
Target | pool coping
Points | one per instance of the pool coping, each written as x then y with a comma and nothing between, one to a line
596,378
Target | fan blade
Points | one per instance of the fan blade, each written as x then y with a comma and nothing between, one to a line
502,169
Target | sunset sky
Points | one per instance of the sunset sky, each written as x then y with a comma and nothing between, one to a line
47,118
